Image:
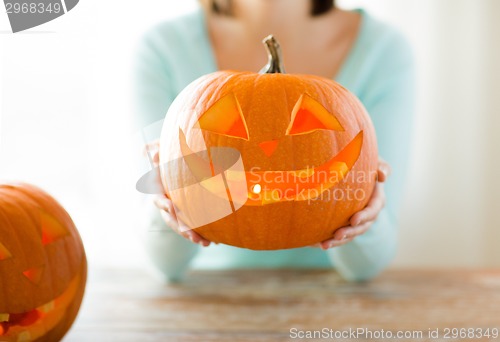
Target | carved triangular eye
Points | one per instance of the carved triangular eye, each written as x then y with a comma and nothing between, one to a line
52,229
309,115
224,117
4,252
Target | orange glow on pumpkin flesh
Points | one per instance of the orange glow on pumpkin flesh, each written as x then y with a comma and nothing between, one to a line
301,139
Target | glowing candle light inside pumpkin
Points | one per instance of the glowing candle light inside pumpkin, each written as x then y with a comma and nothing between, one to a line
256,189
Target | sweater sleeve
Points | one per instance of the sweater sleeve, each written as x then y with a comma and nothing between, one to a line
153,84
154,92
388,98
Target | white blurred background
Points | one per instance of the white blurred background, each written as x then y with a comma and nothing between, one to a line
66,108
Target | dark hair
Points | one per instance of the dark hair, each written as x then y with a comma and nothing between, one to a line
318,7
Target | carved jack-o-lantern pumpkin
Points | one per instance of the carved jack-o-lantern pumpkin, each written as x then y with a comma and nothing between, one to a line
42,266
268,160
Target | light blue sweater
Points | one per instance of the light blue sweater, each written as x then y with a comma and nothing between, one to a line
378,69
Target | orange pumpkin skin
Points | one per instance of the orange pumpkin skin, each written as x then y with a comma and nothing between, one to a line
43,268
266,102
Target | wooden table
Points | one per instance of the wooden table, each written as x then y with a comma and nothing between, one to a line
263,305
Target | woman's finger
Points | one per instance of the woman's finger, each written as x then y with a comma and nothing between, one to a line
371,211
350,231
345,234
167,211
190,234
170,221
196,238
163,203
183,230
383,170
152,149
156,158
331,243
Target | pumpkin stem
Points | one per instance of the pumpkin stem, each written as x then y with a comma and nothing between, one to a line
275,64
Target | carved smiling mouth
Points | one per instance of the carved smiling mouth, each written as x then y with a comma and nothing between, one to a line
266,187
30,325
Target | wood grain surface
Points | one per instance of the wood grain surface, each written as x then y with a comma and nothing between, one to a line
263,305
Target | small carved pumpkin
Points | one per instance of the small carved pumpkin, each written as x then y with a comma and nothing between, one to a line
43,267
267,160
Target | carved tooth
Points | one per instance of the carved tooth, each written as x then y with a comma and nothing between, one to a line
4,317
47,307
25,336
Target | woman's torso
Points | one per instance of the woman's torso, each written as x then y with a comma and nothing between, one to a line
181,51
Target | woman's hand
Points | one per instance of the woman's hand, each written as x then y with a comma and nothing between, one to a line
361,221
168,214
166,206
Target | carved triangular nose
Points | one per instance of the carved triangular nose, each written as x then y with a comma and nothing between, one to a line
269,147
34,274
